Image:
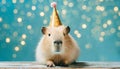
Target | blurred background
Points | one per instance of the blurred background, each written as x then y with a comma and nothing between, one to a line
95,25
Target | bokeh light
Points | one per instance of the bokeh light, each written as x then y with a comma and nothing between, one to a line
8,40
33,8
0,19
23,43
19,19
42,14
16,48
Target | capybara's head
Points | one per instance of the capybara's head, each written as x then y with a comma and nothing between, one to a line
56,36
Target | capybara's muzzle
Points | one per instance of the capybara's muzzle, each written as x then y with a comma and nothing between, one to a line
57,44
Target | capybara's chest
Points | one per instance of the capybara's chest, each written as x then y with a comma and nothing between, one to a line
57,59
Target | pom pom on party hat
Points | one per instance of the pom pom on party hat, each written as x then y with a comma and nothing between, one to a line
55,20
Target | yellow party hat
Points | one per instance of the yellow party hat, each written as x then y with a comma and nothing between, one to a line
55,20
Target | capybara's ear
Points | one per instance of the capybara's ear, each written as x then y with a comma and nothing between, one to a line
67,30
43,30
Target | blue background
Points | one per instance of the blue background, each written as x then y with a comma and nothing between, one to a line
95,25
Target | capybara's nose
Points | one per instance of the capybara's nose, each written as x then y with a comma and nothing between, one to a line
58,42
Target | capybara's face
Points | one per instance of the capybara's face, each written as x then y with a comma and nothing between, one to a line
55,37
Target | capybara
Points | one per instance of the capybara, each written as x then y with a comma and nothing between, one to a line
57,47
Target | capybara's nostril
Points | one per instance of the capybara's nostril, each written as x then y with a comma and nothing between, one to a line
58,42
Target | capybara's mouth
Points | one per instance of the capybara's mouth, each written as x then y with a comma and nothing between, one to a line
57,49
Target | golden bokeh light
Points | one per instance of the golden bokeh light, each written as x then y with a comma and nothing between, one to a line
119,13
65,2
23,43
115,8
109,22
100,8
105,25
101,39
29,14
21,1
87,46
15,11
33,8
102,33
14,1
101,0
1,19
19,19
76,32
84,7
16,48
24,36
46,8
29,27
64,11
84,26
70,4
3,1
118,27
8,40
42,14
79,35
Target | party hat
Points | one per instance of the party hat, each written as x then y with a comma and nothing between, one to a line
55,20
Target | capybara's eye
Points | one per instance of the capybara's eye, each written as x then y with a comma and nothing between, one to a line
48,34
